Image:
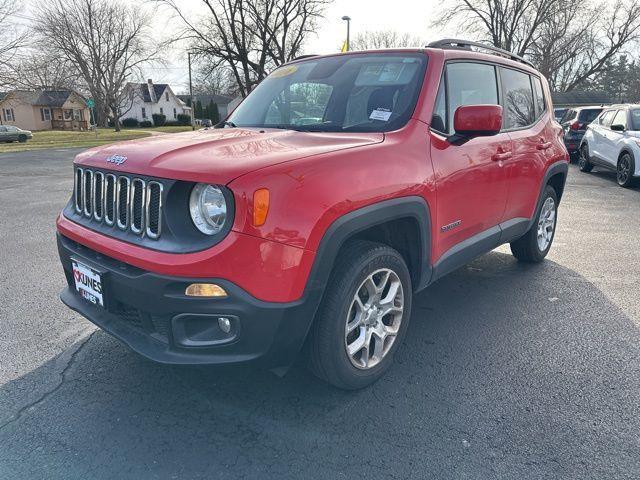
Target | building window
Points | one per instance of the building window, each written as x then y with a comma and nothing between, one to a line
45,114
76,115
144,112
68,114
166,96
161,112
8,115
175,114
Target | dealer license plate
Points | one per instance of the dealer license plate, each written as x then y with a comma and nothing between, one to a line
88,283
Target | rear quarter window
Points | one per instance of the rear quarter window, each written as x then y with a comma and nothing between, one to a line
589,115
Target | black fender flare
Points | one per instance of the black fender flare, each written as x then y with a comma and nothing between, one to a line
356,221
556,168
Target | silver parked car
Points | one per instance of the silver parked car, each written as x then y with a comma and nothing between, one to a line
9,133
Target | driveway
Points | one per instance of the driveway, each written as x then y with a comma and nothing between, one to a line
508,370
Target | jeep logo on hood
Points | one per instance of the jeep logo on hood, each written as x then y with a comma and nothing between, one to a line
117,159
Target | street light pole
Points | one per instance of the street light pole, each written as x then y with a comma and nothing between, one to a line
193,110
347,19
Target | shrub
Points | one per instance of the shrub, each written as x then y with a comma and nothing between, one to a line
146,124
184,119
130,122
159,119
172,123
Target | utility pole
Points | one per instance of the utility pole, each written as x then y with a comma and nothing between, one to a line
193,110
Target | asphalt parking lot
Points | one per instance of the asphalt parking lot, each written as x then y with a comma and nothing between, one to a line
508,370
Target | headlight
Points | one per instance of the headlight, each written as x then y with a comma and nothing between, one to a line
208,208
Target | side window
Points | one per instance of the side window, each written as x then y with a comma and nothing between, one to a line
439,119
470,84
620,119
539,97
607,117
518,99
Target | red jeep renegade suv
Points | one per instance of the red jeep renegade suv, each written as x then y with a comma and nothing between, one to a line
340,187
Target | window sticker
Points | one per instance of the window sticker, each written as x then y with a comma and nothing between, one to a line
381,114
284,72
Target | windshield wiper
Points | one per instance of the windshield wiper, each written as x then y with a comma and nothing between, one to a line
225,123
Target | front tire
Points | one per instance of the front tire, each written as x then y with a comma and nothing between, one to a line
22,138
625,169
534,245
363,317
583,162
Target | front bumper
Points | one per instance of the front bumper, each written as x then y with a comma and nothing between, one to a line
150,313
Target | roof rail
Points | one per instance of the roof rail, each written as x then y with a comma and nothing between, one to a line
457,44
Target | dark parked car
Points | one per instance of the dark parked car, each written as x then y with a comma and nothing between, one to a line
574,123
558,113
9,133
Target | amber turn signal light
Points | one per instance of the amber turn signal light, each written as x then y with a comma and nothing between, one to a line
205,290
260,206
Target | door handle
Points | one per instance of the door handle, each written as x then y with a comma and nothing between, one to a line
544,145
498,157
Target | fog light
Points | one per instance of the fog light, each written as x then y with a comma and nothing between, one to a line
225,324
205,290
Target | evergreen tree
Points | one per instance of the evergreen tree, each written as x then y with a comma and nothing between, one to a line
215,114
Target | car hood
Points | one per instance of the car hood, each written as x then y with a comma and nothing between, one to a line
217,155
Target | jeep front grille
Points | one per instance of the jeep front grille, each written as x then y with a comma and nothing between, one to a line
130,203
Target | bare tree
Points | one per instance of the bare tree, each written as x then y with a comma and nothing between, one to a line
43,69
248,38
12,36
570,42
379,39
107,41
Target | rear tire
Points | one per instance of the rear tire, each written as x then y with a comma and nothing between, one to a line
368,280
625,170
583,162
534,245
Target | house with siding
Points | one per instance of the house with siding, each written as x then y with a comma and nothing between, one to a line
44,110
142,100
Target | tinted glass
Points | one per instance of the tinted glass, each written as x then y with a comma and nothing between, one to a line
470,84
518,99
635,120
588,115
620,118
605,119
355,93
539,96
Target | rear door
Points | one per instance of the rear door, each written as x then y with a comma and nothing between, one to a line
470,177
4,136
615,138
532,136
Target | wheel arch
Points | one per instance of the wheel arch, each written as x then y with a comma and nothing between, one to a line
393,222
556,176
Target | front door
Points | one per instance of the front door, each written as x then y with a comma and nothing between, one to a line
471,187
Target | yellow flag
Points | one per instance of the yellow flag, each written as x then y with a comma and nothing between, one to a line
345,47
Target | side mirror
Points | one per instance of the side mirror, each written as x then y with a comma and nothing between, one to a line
478,120
618,128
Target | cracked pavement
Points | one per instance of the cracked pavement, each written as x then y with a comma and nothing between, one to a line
508,371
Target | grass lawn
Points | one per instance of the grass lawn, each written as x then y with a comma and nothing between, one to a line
60,139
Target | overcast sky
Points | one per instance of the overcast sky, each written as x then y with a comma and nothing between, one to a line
410,16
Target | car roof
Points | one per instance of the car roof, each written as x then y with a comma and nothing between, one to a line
449,54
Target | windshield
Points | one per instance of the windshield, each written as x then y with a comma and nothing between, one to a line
354,93
635,120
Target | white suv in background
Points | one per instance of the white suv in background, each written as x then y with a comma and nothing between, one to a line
612,141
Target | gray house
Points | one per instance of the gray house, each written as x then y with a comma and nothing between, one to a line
222,101
581,99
